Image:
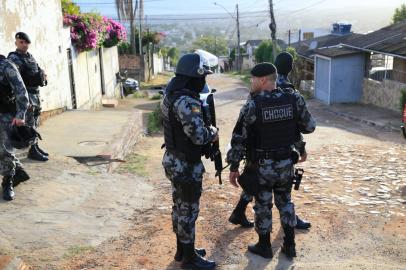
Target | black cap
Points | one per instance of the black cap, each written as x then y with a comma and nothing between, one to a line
283,63
23,36
263,69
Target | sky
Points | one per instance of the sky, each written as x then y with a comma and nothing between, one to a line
179,7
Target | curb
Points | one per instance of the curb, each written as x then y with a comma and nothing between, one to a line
10,263
365,121
123,142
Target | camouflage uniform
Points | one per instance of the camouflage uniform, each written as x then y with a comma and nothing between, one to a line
9,76
24,61
274,176
186,177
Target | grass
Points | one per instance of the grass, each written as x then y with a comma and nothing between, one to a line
155,120
134,164
156,97
244,76
159,80
77,250
140,94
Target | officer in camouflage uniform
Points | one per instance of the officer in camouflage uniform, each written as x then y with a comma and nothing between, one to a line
283,63
268,123
13,107
185,137
33,77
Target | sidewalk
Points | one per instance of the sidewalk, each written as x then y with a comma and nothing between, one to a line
368,114
107,134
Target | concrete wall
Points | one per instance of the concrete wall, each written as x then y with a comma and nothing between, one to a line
384,94
110,68
347,75
42,21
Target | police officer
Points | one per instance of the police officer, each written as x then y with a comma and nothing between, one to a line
284,65
33,77
185,136
13,107
268,124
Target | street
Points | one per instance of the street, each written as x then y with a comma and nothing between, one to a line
353,192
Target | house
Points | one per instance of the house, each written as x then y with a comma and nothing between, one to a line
368,68
76,80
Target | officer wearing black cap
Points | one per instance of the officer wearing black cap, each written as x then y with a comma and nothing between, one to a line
33,77
186,135
265,135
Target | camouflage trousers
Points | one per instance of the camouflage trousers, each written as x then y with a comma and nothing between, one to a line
8,160
275,181
186,179
34,111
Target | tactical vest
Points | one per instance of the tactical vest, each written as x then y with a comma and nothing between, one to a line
30,73
176,141
276,121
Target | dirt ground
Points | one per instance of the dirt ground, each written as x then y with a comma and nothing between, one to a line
353,192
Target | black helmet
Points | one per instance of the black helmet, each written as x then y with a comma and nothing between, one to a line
193,65
283,63
21,137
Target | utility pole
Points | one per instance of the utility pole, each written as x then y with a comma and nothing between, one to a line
142,69
289,38
238,41
272,27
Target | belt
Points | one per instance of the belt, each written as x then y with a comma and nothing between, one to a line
278,154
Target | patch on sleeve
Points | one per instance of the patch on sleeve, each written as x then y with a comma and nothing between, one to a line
279,113
195,109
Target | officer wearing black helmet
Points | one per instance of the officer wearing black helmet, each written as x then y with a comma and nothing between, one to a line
185,136
284,65
33,77
13,107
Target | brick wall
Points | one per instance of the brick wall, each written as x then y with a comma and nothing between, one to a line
129,61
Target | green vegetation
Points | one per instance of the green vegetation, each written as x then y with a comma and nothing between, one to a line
265,53
77,250
70,8
402,99
155,120
134,164
244,76
156,97
216,45
159,80
400,14
140,94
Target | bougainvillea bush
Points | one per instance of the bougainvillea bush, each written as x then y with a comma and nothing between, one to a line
89,31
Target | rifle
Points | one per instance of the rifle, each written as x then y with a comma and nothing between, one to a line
214,151
297,178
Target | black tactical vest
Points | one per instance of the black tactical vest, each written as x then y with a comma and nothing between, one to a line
276,121
30,72
176,141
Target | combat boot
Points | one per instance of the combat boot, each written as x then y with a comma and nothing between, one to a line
179,253
302,224
34,154
8,192
263,248
20,176
289,247
238,216
41,151
193,261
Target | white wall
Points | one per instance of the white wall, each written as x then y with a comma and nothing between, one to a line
111,67
158,64
42,21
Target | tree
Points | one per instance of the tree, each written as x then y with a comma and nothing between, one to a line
264,53
173,54
400,14
126,10
233,52
213,44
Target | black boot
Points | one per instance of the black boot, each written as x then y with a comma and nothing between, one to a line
302,224
193,261
41,151
34,154
289,247
263,247
20,176
8,192
179,253
238,216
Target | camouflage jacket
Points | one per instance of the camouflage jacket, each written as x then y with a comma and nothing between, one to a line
306,124
9,75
